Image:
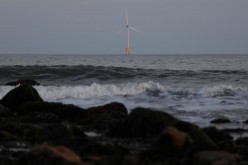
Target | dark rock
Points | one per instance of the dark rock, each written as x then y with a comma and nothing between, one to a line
173,140
114,108
215,158
246,122
200,138
6,136
242,141
220,121
19,95
50,155
63,111
4,111
57,133
217,135
22,81
6,160
94,148
242,147
144,123
61,133
222,139
177,145
103,118
235,130
117,160
39,117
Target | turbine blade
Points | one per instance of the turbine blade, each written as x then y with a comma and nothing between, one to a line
126,17
121,30
134,29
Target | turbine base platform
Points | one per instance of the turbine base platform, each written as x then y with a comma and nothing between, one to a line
127,51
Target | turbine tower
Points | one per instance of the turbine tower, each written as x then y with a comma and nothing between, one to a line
128,28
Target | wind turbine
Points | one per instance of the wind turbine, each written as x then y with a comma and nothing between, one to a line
128,28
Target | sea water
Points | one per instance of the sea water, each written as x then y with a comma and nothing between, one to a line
195,88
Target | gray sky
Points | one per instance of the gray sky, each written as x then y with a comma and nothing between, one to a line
91,26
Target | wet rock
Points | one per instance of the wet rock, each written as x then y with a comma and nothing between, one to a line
96,148
242,147
200,138
143,123
220,121
215,158
22,81
115,109
59,133
6,136
6,160
39,117
103,118
239,131
50,155
217,135
242,141
173,140
19,95
118,160
63,111
4,111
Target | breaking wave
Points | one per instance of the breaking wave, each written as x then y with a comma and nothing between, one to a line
97,90
223,90
149,88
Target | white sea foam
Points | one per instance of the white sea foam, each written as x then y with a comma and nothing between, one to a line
222,90
131,89
97,90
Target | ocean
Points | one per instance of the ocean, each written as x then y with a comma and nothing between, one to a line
195,88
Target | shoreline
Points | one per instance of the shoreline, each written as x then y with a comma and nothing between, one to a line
32,130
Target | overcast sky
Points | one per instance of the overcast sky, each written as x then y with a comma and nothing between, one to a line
91,26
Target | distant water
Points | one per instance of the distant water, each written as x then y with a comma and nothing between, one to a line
196,88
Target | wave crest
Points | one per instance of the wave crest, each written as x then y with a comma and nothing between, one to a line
97,90
222,90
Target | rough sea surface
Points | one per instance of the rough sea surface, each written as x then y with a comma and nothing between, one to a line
195,88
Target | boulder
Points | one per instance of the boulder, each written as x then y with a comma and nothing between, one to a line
143,123
200,138
245,122
57,133
61,133
215,158
19,95
4,111
242,141
6,136
173,140
220,121
103,118
38,117
22,81
114,108
217,135
63,111
222,139
239,131
50,155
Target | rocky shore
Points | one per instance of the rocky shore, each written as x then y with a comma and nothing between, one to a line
35,132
